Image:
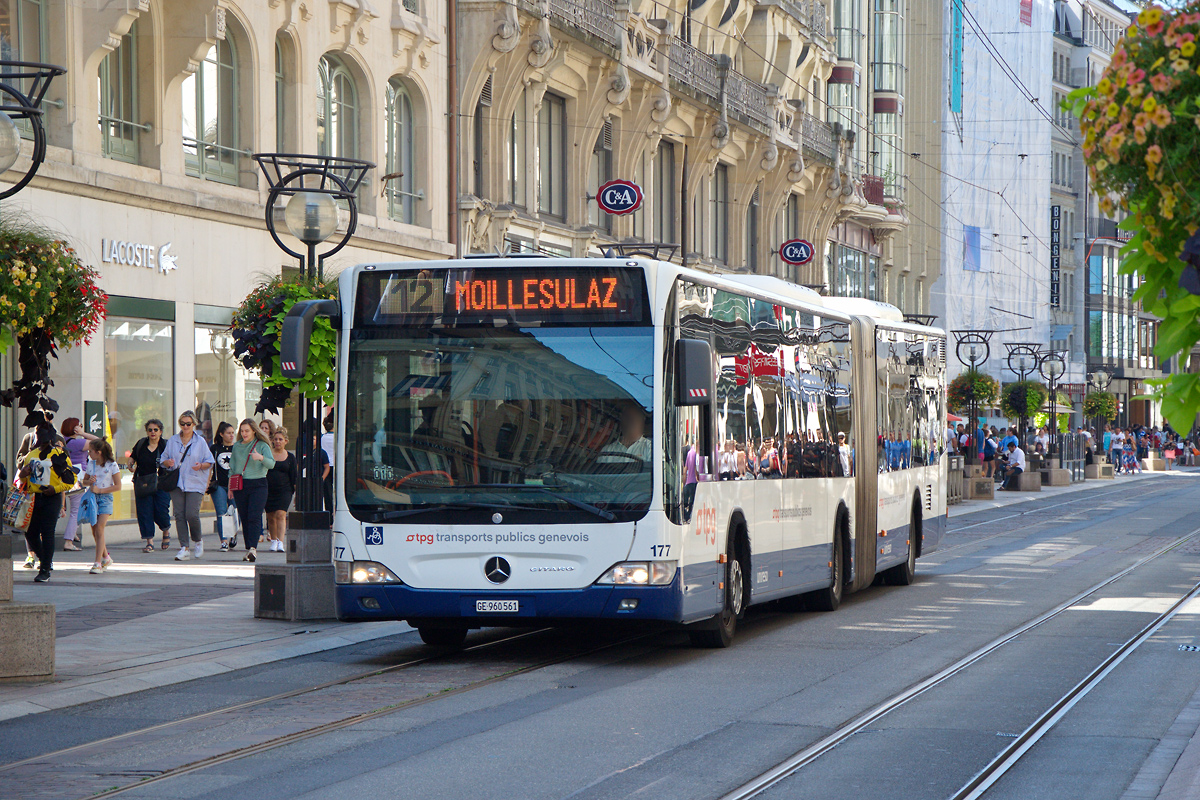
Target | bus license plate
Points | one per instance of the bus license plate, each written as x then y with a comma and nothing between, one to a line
497,606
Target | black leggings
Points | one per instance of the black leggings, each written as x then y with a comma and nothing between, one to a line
250,500
40,536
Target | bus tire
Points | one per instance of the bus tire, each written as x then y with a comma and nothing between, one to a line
904,574
829,598
442,637
719,631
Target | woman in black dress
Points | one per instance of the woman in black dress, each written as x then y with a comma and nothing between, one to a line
281,485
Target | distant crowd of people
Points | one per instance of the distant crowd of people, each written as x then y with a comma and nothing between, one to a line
247,471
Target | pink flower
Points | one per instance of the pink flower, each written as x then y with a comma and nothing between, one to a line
1136,77
1155,28
1160,82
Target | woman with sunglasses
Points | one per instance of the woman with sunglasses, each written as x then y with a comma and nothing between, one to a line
153,505
188,453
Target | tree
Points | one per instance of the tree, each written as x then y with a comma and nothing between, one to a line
1139,127
1022,399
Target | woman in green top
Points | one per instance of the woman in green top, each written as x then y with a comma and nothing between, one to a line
251,459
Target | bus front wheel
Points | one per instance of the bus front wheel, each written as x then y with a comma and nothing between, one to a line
719,631
442,637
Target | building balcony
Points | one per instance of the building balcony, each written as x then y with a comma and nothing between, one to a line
1101,228
812,14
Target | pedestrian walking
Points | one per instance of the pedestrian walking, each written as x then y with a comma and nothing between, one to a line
102,477
1129,457
268,429
989,454
218,488
282,479
249,464
75,440
46,473
1169,453
329,445
1117,454
153,505
186,463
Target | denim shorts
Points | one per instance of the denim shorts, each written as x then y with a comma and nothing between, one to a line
104,504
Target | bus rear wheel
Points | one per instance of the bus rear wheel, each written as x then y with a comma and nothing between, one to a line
719,631
904,574
442,637
830,598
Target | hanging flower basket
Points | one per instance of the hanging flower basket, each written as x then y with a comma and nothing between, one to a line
1101,405
1140,126
256,327
1023,399
972,384
48,299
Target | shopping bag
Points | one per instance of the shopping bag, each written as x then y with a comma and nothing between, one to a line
18,509
88,509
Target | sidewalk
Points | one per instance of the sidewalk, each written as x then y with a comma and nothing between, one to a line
1004,499
151,621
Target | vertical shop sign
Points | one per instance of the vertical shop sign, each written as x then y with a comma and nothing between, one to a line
1055,244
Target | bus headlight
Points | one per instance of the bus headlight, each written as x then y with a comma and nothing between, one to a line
369,572
640,573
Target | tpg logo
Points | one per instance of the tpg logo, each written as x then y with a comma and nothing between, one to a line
421,538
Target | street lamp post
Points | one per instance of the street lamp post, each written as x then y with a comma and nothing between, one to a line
972,350
1023,360
1101,379
1052,366
313,185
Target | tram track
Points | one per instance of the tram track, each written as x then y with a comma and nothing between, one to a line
1011,755
79,753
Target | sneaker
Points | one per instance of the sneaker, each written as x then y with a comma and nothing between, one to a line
30,561
107,561
277,546
183,555
97,568
42,576
232,543
251,554
198,550
224,546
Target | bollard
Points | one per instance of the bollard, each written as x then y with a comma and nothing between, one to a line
302,587
26,629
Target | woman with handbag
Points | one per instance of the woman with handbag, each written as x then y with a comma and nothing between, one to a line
184,473
248,469
46,473
102,476
153,505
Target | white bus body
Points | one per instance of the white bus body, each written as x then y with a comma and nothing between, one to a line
490,471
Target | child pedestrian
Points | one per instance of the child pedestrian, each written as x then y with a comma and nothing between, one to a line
102,476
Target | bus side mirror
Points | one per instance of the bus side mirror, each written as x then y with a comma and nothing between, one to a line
297,331
693,373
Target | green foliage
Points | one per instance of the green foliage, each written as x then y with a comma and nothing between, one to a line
1022,399
972,383
256,328
1102,405
1140,136
1042,418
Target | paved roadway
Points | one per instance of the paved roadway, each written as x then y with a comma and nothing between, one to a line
147,649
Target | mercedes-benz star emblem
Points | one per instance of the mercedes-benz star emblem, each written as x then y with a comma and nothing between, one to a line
497,518
497,569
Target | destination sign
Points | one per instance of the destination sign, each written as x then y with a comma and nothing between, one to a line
524,295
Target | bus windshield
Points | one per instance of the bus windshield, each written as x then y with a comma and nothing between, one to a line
539,425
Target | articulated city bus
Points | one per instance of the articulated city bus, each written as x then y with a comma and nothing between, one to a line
528,439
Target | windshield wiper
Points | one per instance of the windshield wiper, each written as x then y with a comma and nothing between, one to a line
385,516
599,512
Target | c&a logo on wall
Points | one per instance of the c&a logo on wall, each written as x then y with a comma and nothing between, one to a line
137,254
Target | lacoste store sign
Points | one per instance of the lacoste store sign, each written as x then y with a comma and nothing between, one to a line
136,254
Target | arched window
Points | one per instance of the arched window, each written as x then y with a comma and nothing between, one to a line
119,127
337,110
401,190
210,124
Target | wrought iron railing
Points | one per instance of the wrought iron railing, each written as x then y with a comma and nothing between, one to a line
695,68
748,98
594,17
818,137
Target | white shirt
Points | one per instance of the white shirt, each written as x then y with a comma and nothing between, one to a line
728,460
639,449
103,474
1016,458
327,444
